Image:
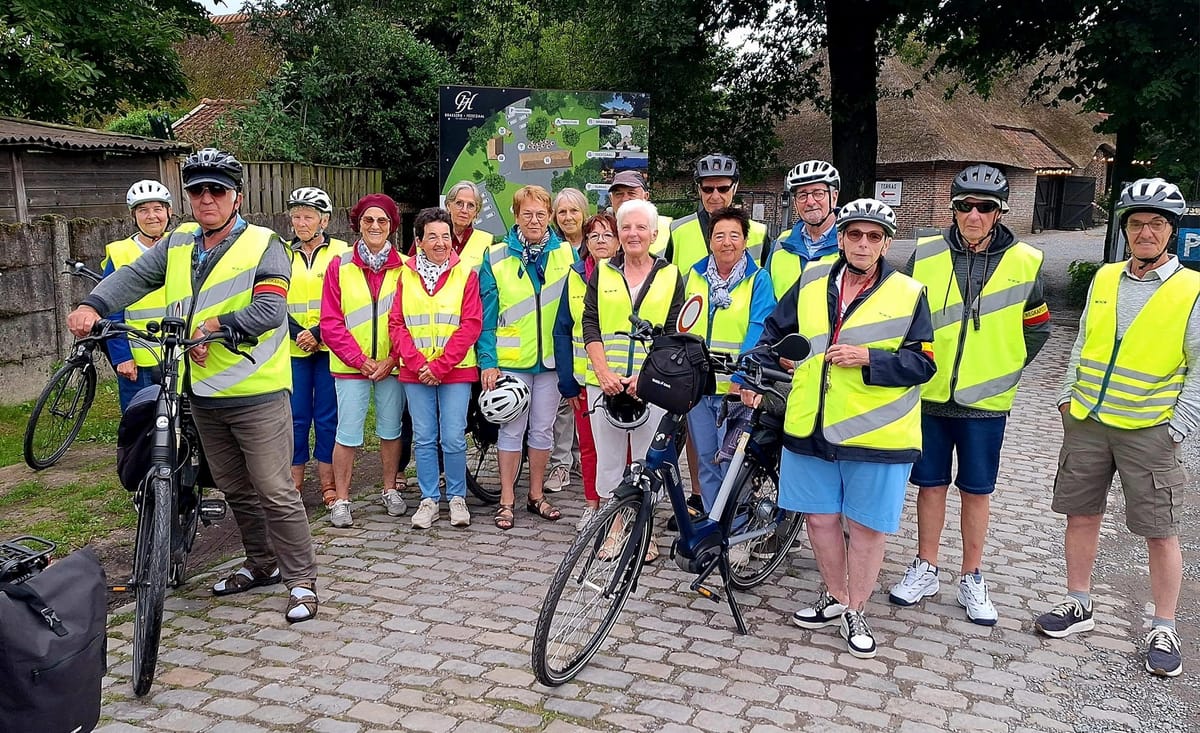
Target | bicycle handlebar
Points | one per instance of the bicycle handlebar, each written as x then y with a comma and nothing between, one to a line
78,269
104,329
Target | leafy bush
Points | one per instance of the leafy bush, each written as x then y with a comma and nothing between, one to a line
1081,273
144,122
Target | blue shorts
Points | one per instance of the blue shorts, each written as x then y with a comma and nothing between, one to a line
976,440
871,494
353,396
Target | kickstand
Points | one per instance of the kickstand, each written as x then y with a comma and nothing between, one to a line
726,575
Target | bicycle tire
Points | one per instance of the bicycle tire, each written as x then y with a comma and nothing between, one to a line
151,564
566,599
59,413
481,462
755,506
183,533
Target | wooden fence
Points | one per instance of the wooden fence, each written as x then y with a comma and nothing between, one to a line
267,185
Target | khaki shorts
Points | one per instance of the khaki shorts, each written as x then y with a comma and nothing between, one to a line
1150,464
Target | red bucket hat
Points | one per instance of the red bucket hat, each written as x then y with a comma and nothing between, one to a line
383,201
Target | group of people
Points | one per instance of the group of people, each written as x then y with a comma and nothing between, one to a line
909,369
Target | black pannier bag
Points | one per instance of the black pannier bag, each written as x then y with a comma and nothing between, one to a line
52,648
135,441
676,373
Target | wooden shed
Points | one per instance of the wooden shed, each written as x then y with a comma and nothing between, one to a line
75,171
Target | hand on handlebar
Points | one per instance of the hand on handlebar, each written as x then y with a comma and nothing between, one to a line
81,320
750,398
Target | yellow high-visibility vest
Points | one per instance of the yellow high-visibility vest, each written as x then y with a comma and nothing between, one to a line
690,247
476,249
853,413
366,317
1134,382
785,267
525,323
150,307
432,319
659,247
228,287
304,291
576,290
614,305
980,366
725,330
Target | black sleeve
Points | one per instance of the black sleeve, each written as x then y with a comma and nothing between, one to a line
676,304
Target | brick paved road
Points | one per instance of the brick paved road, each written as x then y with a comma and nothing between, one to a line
429,631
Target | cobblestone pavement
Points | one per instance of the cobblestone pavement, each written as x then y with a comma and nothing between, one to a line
430,631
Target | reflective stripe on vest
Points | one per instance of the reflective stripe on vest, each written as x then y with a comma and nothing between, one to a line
614,305
308,282
476,249
432,319
785,267
1134,382
725,330
981,365
576,290
689,246
525,322
366,317
150,307
228,287
853,413
659,247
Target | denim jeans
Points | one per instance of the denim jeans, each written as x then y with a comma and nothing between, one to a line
439,411
126,389
314,405
707,437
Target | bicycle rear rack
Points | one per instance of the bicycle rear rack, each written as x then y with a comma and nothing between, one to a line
23,557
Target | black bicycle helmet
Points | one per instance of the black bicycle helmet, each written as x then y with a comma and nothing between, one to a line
981,180
210,165
711,166
624,411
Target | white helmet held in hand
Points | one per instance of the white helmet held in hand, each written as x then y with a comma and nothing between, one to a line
506,401
147,191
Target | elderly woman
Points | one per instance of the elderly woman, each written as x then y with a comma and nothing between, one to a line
570,357
521,281
464,203
853,423
632,282
359,289
740,297
436,319
314,401
570,209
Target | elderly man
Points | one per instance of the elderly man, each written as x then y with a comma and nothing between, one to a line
629,185
990,320
814,186
717,179
224,273
1131,397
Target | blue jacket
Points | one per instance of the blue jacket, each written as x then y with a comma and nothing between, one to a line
564,353
762,301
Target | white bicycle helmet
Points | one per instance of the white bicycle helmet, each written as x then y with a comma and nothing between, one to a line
147,191
625,411
312,197
869,210
506,401
813,171
1151,194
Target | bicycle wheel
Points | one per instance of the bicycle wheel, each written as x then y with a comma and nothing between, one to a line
183,534
756,508
588,591
483,470
151,561
59,413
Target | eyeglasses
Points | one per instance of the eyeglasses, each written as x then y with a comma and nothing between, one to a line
983,207
464,205
856,235
819,195
534,215
1158,225
215,190
717,189
601,237
372,221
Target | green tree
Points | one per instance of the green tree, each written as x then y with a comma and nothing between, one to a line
570,136
494,181
65,60
144,122
537,128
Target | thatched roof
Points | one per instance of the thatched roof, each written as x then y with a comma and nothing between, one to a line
1003,129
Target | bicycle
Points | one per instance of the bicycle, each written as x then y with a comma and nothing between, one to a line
169,499
481,453
603,564
63,405
23,557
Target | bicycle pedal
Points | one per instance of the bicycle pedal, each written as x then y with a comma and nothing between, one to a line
212,510
711,595
128,588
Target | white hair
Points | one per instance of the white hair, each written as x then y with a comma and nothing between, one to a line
461,186
642,206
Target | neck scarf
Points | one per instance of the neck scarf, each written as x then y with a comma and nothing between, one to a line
531,252
719,287
429,272
374,261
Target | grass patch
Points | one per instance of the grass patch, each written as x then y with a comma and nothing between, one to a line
100,427
70,516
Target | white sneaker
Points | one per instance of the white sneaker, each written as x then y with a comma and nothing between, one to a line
395,503
426,514
860,641
920,581
558,479
973,596
460,516
339,513
588,513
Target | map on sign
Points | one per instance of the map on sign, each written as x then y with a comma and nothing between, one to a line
502,139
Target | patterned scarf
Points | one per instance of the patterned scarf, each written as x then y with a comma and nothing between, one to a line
374,261
429,272
719,287
531,253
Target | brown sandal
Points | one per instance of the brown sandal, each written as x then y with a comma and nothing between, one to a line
543,508
243,579
328,496
307,602
504,517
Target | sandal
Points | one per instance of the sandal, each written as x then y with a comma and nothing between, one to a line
504,517
244,579
543,508
302,604
328,496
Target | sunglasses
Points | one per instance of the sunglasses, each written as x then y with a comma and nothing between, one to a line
718,189
372,221
983,207
856,235
215,190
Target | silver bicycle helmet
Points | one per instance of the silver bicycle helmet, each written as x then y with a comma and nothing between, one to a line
813,171
1151,194
711,166
210,165
981,180
506,401
868,210
625,411
147,191
311,197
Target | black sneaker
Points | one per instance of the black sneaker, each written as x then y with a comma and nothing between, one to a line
1163,656
825,612
695,506
1065,619
860,642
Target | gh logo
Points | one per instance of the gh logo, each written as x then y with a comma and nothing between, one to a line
464,100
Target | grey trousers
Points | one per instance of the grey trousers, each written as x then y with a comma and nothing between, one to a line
249,451
566,443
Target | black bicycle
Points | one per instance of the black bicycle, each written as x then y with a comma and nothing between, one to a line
481,454
744,537
63,405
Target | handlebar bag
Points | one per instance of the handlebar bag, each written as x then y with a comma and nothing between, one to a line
52,647
676,373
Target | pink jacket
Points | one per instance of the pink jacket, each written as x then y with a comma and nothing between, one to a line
470,324
333,320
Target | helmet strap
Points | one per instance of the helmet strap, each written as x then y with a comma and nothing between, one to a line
210,232
857,270
305,242
1145,264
